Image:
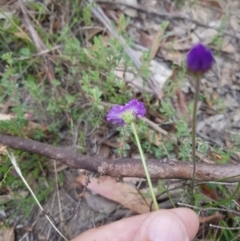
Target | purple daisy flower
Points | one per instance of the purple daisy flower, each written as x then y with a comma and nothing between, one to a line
199,59
121,114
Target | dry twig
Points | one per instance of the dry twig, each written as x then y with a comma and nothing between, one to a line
126,167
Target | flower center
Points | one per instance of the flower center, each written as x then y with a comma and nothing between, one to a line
128,117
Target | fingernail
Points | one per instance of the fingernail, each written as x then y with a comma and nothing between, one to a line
166,227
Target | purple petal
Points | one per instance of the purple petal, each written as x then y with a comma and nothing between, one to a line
136,107
199,58
115,115
116,112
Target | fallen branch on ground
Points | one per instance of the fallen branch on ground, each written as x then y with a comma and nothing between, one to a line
126,167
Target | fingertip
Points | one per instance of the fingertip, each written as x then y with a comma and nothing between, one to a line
169,225
190,219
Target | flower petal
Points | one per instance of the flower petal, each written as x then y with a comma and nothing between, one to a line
117,113
136,107
199,59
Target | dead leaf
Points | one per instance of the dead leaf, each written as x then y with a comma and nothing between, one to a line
131,12
104,151
154,137
122,193
215,5
209,192
112,143
5,117
32,125
181,44
206,36
3,150
216,217
145,40
91,32
7,234
234,23
99,203
22,35
182,105
156,42
228,47
175,56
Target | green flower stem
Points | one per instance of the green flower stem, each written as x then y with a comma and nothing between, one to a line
194,120
145,166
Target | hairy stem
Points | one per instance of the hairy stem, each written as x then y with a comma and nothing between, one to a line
194,120
145,167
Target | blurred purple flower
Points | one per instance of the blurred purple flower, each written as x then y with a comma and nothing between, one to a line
199,59
120,114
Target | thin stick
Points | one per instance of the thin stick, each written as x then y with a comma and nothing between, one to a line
58,195
18,170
